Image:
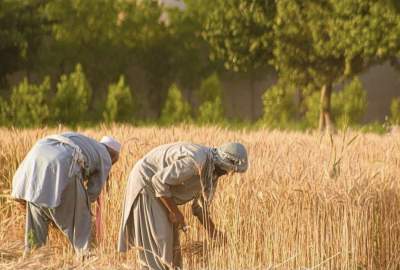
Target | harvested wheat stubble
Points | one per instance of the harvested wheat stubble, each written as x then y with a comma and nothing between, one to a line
307,202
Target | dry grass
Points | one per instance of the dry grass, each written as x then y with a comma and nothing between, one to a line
307,202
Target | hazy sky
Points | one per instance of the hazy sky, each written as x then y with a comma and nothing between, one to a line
173,3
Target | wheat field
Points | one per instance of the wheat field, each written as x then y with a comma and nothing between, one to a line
308,201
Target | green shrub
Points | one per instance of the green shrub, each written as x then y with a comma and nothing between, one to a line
176,108
120,105
211,112
72,98
210,95
350,104
347,106
279,106
28,104
210,89
374,127
394,118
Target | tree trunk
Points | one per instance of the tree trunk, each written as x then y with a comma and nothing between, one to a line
325,117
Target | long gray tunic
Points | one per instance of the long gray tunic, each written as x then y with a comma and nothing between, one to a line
43,174
169,170
43,181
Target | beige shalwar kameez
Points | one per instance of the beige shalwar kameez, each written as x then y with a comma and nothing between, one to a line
173,171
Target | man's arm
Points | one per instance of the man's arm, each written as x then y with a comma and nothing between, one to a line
94,185
174,174
201,211
174,214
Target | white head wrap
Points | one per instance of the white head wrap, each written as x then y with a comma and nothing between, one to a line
111,143
231,157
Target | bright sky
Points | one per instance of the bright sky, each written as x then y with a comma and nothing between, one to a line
173,3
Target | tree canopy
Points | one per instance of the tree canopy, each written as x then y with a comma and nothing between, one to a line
311,45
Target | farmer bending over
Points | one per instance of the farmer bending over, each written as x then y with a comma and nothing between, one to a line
168,176
50,181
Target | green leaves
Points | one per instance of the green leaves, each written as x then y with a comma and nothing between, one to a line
176,109
28,105
120,106
348,105
210,97
364,32
240,32
312,44
279,106
302,52
72,98
23,27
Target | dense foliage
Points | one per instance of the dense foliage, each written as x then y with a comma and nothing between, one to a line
211,110
72,99
176,109
312,46
120,106
28,105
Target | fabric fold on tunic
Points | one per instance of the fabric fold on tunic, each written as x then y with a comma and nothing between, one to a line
77,155
50,179
72,217
173,171
45,172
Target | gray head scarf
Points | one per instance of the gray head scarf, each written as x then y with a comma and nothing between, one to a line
230,157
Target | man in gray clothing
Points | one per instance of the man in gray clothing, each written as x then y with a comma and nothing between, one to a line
50,181
167,176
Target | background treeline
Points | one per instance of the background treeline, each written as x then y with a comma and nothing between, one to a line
74,57
32,104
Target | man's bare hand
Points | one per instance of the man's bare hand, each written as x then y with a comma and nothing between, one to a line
174,214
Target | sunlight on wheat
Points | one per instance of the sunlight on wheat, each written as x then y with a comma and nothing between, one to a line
308,201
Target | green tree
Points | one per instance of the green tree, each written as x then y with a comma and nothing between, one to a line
296,56
211,112
23,30
176,108
351,104
279,106
210,96
176,52
326,41
87,32
364,33
28,104
184,28
348,105
240,32
72,99
120,105
102,34
210,89
99,36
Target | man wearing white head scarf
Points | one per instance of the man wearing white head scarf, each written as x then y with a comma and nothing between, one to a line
50,181
167,176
